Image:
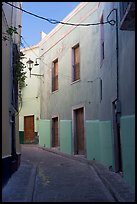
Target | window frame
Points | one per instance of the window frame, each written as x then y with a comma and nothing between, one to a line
101,90
53,78
74,79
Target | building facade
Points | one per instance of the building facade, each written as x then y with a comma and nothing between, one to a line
30,108
11,150
87,99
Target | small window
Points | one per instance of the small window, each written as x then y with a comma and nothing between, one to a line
55,76
76,63
100,90
101,40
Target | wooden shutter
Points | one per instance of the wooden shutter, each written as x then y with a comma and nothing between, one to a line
76,63
55,76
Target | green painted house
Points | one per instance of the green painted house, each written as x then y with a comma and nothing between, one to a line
87,99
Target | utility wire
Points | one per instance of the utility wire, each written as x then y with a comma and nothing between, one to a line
63,75
53,21
111,22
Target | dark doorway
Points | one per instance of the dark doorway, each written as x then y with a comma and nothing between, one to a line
55,142
79,131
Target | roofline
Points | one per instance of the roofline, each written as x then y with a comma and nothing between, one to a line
67,18
29,48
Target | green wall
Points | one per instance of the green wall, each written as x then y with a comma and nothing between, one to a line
99,142
106,144
21,136
92,140
99,145
128,147
66,136
44,133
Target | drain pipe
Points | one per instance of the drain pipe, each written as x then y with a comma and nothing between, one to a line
118,109
115,22
117,142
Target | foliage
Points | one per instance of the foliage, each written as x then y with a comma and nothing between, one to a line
9,33
20,74
11,30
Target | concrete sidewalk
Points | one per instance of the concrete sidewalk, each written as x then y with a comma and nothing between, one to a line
47,175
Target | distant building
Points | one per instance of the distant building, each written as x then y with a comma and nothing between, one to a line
30,108
11,150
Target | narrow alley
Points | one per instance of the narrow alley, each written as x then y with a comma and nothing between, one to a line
49,176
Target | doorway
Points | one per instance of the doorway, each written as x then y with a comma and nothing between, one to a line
55,141
29,135
79,131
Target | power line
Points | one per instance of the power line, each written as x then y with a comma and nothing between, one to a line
53,21
63,75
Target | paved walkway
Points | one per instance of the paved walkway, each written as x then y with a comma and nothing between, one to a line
50,176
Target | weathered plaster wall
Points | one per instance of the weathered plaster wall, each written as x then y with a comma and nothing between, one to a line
128,147
10,17
66,136
98,113
31,92
70,94
44,133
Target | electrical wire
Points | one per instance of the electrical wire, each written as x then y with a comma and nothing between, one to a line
60,74
53,21
63,75
111,22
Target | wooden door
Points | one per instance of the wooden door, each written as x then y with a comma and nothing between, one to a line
29,135
55,132
79,131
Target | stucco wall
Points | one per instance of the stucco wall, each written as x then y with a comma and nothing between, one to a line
6,134
128,147
31,92
127,72
99,142
66,136
98,113
45,133
10,17
69,94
